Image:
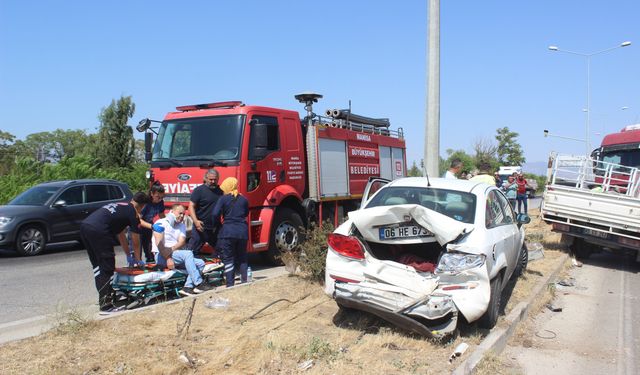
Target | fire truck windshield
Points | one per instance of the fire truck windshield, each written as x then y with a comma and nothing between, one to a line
628,158
215,138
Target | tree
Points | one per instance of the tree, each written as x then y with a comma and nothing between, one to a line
485,154
509,151
7,152
414,171
468,163
116,145
56,145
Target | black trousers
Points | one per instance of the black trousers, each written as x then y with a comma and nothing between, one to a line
234,253
198,239
99,246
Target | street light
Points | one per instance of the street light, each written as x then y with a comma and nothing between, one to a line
547,134
588,56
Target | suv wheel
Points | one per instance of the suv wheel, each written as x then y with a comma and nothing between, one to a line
31,240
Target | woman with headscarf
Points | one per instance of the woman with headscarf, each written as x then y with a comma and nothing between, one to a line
233,209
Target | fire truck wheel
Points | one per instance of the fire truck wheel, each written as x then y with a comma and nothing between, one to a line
286,234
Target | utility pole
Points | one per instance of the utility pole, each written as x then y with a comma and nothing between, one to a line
432,128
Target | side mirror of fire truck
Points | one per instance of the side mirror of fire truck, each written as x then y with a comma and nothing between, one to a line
148,143
259,140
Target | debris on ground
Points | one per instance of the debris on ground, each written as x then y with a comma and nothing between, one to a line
217,303
567,282
185,358
458,351
554,307
305,365
536,251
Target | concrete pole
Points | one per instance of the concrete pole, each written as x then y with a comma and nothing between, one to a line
432,130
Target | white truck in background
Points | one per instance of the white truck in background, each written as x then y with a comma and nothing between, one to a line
594,204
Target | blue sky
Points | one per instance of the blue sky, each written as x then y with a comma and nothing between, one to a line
62,62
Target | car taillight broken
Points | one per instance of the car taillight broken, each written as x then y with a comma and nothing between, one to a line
346,245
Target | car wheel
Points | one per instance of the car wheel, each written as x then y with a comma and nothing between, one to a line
31,240
285,236
523,260
490,317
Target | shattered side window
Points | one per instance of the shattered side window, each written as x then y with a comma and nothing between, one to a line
494,215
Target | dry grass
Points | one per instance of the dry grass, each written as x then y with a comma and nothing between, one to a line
304,324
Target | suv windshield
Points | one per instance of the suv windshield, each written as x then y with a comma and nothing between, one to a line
202,138
457,205
36,196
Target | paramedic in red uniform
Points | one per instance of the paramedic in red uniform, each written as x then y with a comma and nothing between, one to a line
203,199
97,232
233,208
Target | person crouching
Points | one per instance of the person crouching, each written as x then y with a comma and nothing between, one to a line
233,209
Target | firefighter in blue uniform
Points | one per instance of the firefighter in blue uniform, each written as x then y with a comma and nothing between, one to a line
97,232
233,208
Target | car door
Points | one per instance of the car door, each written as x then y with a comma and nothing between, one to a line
510,228
500,230
373,185
66,211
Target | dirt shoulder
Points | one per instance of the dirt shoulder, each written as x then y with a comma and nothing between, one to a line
299,324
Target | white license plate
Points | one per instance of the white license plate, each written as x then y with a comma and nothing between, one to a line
595,233
388,233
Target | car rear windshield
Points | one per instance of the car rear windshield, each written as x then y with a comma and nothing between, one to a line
458,205
36,196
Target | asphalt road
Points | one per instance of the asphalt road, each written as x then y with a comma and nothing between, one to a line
598,329
57,281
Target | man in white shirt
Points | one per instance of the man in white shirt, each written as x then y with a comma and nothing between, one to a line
456,166
169,236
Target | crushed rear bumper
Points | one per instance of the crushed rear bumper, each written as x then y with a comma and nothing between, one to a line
433,316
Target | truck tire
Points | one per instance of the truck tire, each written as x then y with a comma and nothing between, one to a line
490,317
31,240
286,234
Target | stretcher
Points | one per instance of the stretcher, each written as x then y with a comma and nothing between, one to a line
136,286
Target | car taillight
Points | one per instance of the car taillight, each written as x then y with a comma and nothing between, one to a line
346,246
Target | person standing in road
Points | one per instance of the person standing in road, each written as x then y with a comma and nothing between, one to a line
511,190
521,196
97,232
169,238
147,215
233,208
454,169
203,199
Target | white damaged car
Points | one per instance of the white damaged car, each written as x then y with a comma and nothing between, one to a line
420,252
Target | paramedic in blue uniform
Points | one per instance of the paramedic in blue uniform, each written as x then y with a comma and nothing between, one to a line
97,232
148,213
203,199
233,209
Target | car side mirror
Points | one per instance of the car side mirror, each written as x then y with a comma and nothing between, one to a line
523,219
59,203
259,140
148,144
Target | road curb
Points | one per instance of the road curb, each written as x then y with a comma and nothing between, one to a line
496,341
37,325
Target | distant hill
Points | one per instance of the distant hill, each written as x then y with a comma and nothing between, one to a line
536,167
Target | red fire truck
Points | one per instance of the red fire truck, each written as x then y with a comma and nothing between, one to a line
293,171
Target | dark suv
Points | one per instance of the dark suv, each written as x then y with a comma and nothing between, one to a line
52,212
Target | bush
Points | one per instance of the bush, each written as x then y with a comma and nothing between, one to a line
312,256
27,172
